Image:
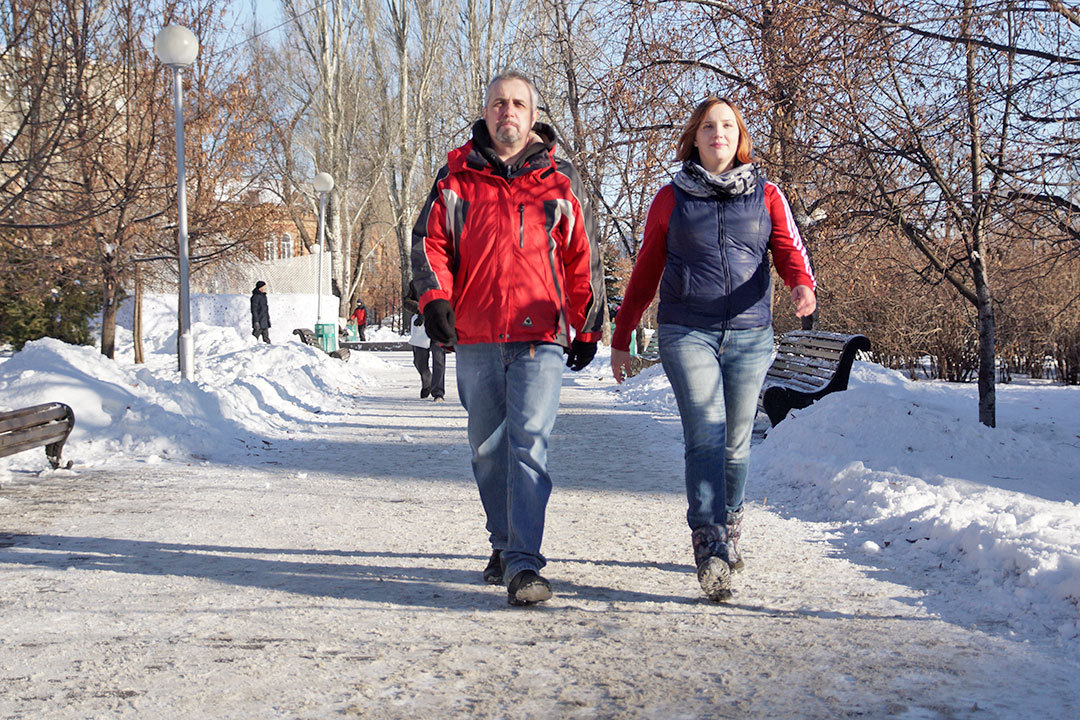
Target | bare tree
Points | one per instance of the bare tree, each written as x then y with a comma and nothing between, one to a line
412,36
942,147
318,101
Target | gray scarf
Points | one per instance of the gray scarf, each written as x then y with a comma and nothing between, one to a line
697,181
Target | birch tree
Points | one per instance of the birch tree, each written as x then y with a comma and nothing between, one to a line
407,49
317,101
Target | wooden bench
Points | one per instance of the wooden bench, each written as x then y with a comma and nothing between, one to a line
649,356
308,337
48,424
809,364
375,345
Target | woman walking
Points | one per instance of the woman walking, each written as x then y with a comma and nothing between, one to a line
707,238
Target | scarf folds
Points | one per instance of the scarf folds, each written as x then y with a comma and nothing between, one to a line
696,180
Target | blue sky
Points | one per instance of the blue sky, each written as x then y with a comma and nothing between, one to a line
264,13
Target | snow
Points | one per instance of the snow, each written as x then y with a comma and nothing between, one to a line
289,535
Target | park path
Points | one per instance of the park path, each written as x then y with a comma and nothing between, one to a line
335,573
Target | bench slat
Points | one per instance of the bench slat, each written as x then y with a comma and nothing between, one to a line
797,383
12,443
817,336
787,364
48,424
35,415
378,345
828,354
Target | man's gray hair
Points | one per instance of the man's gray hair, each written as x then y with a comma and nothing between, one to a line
514,75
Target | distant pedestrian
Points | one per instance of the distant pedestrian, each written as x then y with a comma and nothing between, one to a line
359,316
260,312
433,376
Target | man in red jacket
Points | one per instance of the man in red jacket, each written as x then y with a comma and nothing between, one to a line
505,263
359,316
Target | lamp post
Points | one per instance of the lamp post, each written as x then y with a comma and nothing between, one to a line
323,184
176,47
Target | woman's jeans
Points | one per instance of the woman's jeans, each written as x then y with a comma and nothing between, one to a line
716,376
511,393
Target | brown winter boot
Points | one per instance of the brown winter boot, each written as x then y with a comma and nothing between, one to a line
733,521
713,562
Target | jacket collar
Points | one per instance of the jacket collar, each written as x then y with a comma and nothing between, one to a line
479,153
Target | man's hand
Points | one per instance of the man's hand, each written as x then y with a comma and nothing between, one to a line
804,299
581,354
439,322
620,364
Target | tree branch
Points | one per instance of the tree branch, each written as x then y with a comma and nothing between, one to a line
959,39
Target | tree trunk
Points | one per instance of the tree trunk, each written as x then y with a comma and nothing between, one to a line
985,306
136,324
110,291
977,258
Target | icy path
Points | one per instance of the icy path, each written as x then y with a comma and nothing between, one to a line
337,574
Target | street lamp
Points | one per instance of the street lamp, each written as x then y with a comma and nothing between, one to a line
176,47
323,184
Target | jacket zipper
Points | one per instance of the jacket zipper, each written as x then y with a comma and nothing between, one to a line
724,261
521,225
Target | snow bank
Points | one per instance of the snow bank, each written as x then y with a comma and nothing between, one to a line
909,465
242,391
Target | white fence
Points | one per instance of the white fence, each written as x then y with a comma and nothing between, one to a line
296,275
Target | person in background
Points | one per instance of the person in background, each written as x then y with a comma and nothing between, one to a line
359,316
706,246
505,261
433,375
260,312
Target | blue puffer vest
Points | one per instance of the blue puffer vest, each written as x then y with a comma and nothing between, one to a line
717,272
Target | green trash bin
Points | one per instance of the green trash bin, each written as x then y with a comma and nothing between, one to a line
327,335
633,339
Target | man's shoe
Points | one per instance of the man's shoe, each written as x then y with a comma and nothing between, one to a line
711,555
493,573
438,398
424,392
527,588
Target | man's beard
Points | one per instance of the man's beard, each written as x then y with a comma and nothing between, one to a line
508,134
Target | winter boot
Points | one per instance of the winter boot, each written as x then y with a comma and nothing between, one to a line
493,573
528,588
713,561
733,521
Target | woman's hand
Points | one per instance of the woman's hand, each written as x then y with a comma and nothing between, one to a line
620,364
803,298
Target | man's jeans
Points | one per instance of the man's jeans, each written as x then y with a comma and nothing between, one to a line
716,376
511,393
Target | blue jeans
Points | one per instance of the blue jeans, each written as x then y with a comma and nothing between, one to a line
716,376
511,393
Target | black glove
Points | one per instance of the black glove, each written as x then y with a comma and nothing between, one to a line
581,354
439,322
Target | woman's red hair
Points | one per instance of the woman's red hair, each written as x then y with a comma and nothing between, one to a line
685,149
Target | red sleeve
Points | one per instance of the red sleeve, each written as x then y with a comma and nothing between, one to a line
789,254
432,249
649,268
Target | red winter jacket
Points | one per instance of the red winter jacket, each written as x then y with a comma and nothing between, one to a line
359,315
513,249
